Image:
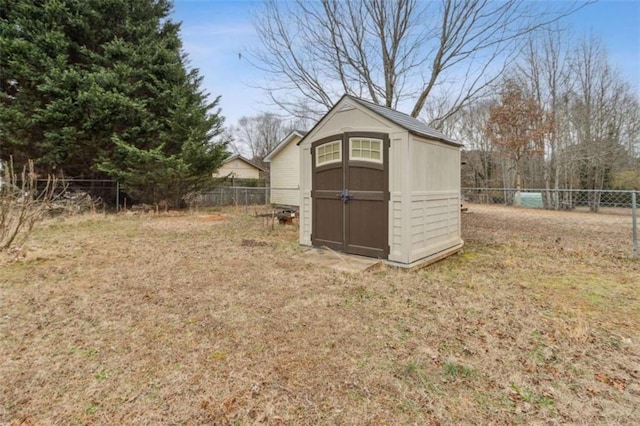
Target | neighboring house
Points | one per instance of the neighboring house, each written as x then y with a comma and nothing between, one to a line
380,183
238,167
285,170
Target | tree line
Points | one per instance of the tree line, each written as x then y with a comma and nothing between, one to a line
103,89
562,118
533,106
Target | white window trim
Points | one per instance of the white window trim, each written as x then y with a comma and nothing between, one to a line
337,160
370,160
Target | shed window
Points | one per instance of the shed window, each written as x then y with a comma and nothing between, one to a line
366,150
329,153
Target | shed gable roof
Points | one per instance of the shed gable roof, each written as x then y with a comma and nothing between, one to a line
402,120
286,141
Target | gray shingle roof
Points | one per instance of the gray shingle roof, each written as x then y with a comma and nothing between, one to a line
405,121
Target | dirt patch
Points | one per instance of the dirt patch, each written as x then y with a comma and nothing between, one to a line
106,322
213,218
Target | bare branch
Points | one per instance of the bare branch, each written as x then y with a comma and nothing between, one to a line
22,203
392,51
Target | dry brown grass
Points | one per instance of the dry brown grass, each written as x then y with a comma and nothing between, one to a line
186,318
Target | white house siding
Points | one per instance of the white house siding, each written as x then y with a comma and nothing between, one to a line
434,213
285,175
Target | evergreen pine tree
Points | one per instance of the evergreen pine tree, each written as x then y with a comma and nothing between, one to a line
95,88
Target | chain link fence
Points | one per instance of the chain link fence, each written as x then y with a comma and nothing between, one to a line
97,193
594,201
107,194
248,196
236,196
553,199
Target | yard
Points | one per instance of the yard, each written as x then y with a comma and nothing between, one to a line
189,318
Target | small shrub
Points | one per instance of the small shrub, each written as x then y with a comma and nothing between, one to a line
22,204
193,200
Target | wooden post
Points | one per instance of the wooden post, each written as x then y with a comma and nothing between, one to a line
634,214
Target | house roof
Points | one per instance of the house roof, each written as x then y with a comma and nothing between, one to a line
240,157
285,141
413,125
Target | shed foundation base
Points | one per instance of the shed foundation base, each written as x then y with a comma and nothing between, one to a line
426,261
353,263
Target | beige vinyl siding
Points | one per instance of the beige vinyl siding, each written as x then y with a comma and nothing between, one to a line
305,194
239,169
435,166
353,118
398,160
434,213
285,175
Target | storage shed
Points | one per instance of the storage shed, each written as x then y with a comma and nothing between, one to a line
285,170
379,183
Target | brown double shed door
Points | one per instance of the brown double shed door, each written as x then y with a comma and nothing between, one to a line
350,192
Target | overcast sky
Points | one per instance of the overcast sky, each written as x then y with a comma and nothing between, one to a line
216,32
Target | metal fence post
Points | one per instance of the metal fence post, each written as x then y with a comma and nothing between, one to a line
117,196
634,215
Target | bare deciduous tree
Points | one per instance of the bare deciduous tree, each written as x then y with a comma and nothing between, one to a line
469,126
601,112
544,71
260,134
393,52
